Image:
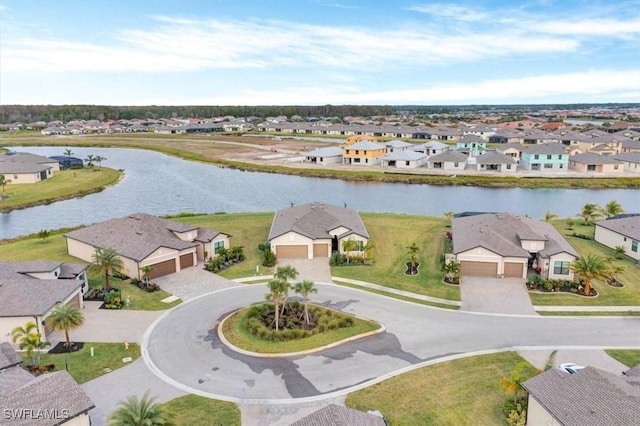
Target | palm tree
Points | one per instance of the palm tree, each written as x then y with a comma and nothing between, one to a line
449,216
285,273
106,260
99,159
304,289
146,272
612,208
620,251
67,152
412,251
277,290
548,216
141,412
43,234
589,268
590,212
614,270
66,317
369,251
89,160
3,182
29,338
521,373
451,270
348,246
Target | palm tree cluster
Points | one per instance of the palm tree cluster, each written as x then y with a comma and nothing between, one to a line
591,211
279,288
29,339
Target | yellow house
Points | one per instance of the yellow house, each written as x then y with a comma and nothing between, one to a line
364,152
357,138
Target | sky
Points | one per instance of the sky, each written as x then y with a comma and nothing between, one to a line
316,52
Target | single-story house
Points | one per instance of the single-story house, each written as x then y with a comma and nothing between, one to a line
594,163
145,240
50,399
432,148
495,161
404,159
328,155
505,245
332,415
448,160
316,230
620,231
30,291
23,167
630,161
590,397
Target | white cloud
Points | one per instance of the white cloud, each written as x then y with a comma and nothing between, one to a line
447,10
587,27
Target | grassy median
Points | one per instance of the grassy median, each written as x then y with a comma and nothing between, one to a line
198,410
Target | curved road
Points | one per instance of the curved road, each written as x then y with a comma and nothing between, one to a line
182,347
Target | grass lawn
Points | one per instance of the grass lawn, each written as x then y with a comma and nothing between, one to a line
393,233
626,296
589,314
630,358
33,248
64,184
459,392
234,330
198,410
398,296
140,299
247,230
83,367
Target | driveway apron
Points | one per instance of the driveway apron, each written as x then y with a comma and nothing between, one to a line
193,282
495,295
316,270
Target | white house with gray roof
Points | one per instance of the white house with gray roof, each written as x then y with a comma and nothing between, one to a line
404,159
23,167
30,291
146,240
622,231
327,155
448,160
630,161
316,230
432,148
504,245
496,162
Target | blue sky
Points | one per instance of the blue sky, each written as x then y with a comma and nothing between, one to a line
318,52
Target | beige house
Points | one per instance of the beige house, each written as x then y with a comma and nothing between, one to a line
495,162
31,290
145,240
594,163
448,160
316,230
624,231
50,399
513,150
505,245
23,167
630,161
590,397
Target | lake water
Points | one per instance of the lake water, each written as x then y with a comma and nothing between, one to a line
159,184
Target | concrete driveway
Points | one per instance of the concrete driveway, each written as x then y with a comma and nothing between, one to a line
193,282
495,295
588,357
316,270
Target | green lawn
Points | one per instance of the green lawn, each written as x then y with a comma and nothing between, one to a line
33,248
459,392
140,299
247,230
393,233
630,358
234,330
627,296
83,367
64,184
198,410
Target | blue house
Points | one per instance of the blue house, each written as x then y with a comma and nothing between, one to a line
472,145
549,157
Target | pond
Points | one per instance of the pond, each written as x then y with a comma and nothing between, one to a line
159,184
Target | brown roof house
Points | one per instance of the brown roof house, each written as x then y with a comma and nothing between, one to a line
145,240
29,291
503,245
590,397
622,231
47,400
316,230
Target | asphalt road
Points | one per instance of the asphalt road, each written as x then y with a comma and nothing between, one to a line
182,347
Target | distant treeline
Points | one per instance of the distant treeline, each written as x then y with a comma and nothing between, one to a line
47,113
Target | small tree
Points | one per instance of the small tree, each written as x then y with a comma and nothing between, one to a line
451,270
67,318
412,252
589,268
304,289
614,270
146,272
369,251
141,412
570,224
590,212
99,159
106,260
286,273
612,208
29,338
512,385
277,290
548,216
67,152
3,182
43,234
348,246
620,251
90,160
449,216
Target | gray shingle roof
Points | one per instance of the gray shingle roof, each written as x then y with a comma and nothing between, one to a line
510,145
502,233
365,146
591,158
335,415
493,157
552,148
588,397
8,357
398,144
407,155
32,296
135,236
448,157
330,151
629,157
315,220
627,226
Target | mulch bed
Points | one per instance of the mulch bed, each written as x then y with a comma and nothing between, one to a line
412,269
615,283
60,348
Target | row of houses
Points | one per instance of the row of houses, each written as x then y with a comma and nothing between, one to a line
471,152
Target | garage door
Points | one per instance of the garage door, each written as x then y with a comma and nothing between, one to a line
291,252
480,269
163,268
513,270
321,250
186,260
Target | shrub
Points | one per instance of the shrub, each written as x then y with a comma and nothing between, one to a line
269,258
337,259
583,236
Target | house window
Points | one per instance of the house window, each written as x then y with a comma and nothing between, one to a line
560,157
562,166
561,267
347,152
357,152
356,160
508,166
15,176
406,163
217,246
535,157
615,167
634,246
548,157
548,166
591,168
455,164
